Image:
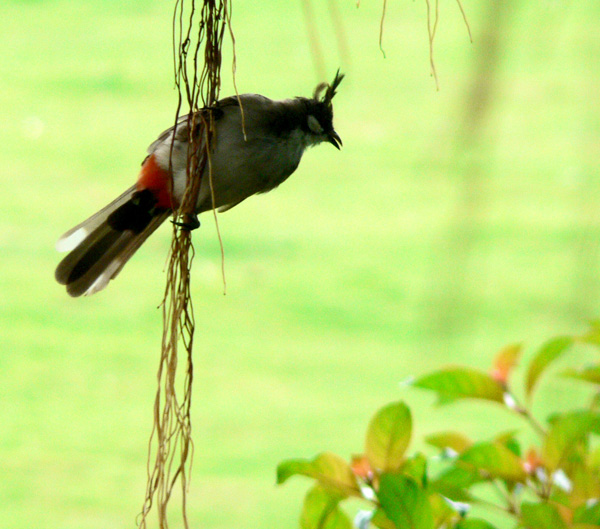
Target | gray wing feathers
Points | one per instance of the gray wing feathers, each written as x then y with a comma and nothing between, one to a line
182,134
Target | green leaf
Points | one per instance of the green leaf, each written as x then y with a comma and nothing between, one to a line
321,510
474,523
461,383
388,436
585,479
593,335
443,514
494,460
589,513
330,470
549,352
541,516
565,432
404,502
595,402
382,521
416,468
454,482
508,439
588,374
454,440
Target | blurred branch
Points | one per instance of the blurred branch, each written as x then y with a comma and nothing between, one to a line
340,32
466,158
313,37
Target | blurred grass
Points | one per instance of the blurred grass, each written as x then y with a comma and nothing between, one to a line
415,246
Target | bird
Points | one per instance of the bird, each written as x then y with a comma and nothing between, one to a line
257,144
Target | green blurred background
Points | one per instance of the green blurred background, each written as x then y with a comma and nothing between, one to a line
451,223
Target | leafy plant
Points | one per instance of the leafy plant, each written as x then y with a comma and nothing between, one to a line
552,484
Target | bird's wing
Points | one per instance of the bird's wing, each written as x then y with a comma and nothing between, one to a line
182,133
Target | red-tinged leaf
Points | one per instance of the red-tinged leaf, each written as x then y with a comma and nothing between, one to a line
404,502
494,460
388,436
328,469
461,383
541,516
505,362
564,434
361,467
453,440
474,523
532,461
321,510
547,354
588,373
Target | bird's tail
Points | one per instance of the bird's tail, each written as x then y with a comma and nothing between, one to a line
101,245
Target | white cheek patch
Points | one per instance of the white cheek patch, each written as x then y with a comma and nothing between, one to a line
314,125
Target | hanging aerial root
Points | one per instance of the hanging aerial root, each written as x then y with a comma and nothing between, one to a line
197,39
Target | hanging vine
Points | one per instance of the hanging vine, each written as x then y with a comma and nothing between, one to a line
197,79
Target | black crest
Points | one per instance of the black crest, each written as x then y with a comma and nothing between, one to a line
330,90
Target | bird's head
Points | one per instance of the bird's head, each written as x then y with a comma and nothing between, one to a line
319,120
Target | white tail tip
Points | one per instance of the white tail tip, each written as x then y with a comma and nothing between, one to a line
70,241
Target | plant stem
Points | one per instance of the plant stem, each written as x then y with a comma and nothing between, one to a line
504,497
526,414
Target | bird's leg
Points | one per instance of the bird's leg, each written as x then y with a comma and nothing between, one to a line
190,222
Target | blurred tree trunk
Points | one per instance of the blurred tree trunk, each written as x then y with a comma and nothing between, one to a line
468,159
586,210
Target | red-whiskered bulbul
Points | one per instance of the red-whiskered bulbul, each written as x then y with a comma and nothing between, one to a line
250,154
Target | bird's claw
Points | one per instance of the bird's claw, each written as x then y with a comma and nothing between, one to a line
189,223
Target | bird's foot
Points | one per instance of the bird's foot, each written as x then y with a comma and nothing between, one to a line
189,222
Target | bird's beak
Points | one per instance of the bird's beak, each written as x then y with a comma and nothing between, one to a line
334,139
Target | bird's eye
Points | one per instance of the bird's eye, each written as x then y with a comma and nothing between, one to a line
314,125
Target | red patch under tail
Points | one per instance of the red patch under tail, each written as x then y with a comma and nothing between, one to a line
157,180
